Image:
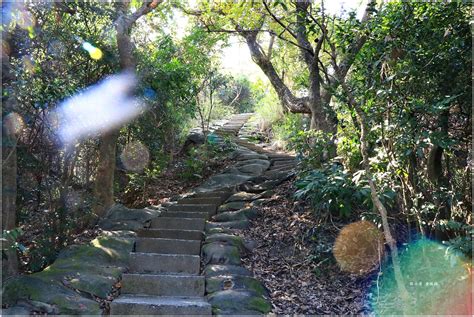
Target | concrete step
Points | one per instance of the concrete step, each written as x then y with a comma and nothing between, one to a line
167,246
162,263
216,200
170,234
163,284
185,214
162,305
178,223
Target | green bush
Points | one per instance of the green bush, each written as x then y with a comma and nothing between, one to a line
332,190
311,147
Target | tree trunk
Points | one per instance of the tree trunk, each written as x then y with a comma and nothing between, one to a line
363,122
9,187
9,165
104,182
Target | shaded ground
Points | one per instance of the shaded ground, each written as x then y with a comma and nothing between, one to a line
293,258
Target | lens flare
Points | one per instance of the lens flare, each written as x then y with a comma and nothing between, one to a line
100,108
13,123
94,52
23,18
359,247
438,279
135,156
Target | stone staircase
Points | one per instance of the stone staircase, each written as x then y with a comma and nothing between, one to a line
164,276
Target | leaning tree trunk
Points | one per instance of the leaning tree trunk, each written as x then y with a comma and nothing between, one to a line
392,243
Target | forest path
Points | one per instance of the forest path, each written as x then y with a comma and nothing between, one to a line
164,276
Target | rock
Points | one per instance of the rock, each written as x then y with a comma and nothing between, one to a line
242,214
240,152
108,224
252,169
261,162
235,205
91,269
194,139
66,300
18,311
237,224
267,194
120,212
243,196
120,217
231,302
229,239
250,245
260,202
217,230
220,253
237,282
219,270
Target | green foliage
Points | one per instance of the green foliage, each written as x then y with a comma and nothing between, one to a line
332,190
198,159
268,109
311,147
285,128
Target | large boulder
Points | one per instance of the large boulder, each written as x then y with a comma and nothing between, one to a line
237,282
237,224
238,302
213,270
79,269
242,214
120,217
64,299
229,239
234,205
243,196
220,253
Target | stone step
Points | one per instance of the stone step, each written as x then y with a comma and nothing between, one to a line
167,246
162,263
162,305
210,208
178,223
170,234
216,200
163,284
185,214
223,194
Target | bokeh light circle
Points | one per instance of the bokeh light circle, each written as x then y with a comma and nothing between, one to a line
135,156
359,247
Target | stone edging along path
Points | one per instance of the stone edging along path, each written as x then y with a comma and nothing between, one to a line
165,266
164,260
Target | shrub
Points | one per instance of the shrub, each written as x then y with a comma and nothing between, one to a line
311,147
331,189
